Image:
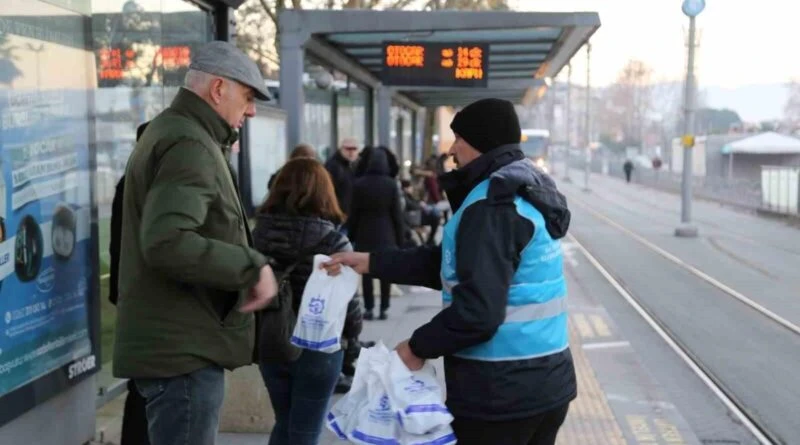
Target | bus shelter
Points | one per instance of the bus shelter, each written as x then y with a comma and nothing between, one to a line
426,59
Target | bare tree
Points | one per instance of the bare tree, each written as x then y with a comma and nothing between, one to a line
468,5
630,102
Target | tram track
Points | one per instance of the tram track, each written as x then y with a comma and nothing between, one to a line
753,421
714,383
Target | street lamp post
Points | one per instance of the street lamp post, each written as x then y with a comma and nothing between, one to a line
567,120
691,8
588,150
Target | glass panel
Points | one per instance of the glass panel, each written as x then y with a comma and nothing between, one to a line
407,138
352,113
267,148
46,251
317,123
142,50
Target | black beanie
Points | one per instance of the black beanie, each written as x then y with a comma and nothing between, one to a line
488,124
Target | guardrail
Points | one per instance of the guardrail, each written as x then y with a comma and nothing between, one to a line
742,193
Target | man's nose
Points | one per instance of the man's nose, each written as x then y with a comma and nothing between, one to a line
251,110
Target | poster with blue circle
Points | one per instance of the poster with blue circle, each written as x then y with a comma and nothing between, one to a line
45,235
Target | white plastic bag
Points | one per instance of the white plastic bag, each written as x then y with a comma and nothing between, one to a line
390,405
417,396
343,416
320,320
377,419
443,435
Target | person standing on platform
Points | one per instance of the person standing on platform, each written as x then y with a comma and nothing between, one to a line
503,330
340,166
189,278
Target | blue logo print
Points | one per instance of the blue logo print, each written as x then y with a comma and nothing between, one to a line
316,305
418,385
383,405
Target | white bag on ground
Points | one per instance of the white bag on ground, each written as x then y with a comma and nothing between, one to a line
377,419
441,436
388,404
323,309
417,396
343,415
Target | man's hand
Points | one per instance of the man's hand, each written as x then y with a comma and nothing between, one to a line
262,293
359,261
411,361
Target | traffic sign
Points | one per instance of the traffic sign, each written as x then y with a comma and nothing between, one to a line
693,8
687,140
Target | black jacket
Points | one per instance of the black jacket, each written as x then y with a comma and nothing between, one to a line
490,238
116,232
281,237
376,216
342,175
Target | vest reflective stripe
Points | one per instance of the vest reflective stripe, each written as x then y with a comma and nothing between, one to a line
536,319
534,311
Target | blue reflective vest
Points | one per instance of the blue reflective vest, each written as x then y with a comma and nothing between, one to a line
536,311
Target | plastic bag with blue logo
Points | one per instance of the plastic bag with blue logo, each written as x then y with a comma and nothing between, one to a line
378,422
441,436
343,416
320,319
417,396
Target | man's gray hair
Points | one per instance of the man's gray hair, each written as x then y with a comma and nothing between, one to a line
196,80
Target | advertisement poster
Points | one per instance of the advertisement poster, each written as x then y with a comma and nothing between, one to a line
45,236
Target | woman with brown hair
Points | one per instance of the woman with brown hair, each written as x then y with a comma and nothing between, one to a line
302,214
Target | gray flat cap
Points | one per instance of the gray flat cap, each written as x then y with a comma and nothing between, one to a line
226,60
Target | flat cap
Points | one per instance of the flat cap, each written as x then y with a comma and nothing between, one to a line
224,59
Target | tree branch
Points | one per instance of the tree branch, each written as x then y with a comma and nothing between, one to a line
399,4
272,15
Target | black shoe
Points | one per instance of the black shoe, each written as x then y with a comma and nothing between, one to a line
368,315
343,385
366,344
384,315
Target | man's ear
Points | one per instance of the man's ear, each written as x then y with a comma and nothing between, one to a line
217,90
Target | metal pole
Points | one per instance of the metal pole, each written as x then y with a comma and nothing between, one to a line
686,229
551,113
588,149
567,119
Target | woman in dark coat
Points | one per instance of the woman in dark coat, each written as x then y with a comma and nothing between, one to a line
376,216
302,213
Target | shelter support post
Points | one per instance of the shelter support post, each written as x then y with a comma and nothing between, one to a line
384,96
292,97
730,166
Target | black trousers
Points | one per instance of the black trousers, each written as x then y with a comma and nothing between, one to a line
369,293
537,430
134,419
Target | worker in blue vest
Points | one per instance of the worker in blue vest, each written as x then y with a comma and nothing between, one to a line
503,330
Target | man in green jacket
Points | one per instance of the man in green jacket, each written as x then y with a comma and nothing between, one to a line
189,278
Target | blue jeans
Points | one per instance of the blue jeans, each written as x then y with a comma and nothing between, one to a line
300,392
184,410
